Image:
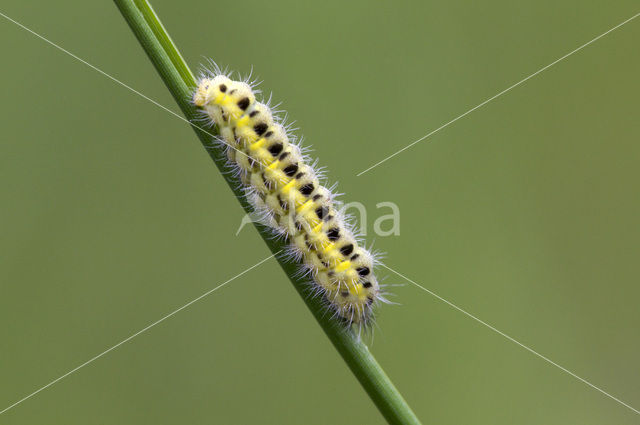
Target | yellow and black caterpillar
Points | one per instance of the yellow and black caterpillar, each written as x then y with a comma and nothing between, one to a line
285,190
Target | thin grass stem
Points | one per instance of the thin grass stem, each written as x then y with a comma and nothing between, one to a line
178,78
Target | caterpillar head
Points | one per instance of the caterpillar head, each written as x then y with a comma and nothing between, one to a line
210,89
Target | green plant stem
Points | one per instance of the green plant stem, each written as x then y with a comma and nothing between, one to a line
180,81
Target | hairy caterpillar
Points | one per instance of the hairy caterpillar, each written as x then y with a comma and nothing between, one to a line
285,189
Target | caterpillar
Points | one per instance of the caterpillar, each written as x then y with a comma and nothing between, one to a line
285,189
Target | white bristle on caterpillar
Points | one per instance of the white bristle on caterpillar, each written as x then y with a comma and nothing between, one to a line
285,191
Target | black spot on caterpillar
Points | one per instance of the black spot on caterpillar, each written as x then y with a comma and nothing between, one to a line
290,170
321,211
363,271
307,189
275,149
333,234
346,250
260,129
244,103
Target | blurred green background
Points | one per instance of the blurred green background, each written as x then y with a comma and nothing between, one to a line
525,213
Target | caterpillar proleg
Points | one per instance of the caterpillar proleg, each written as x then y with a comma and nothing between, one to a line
285,189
